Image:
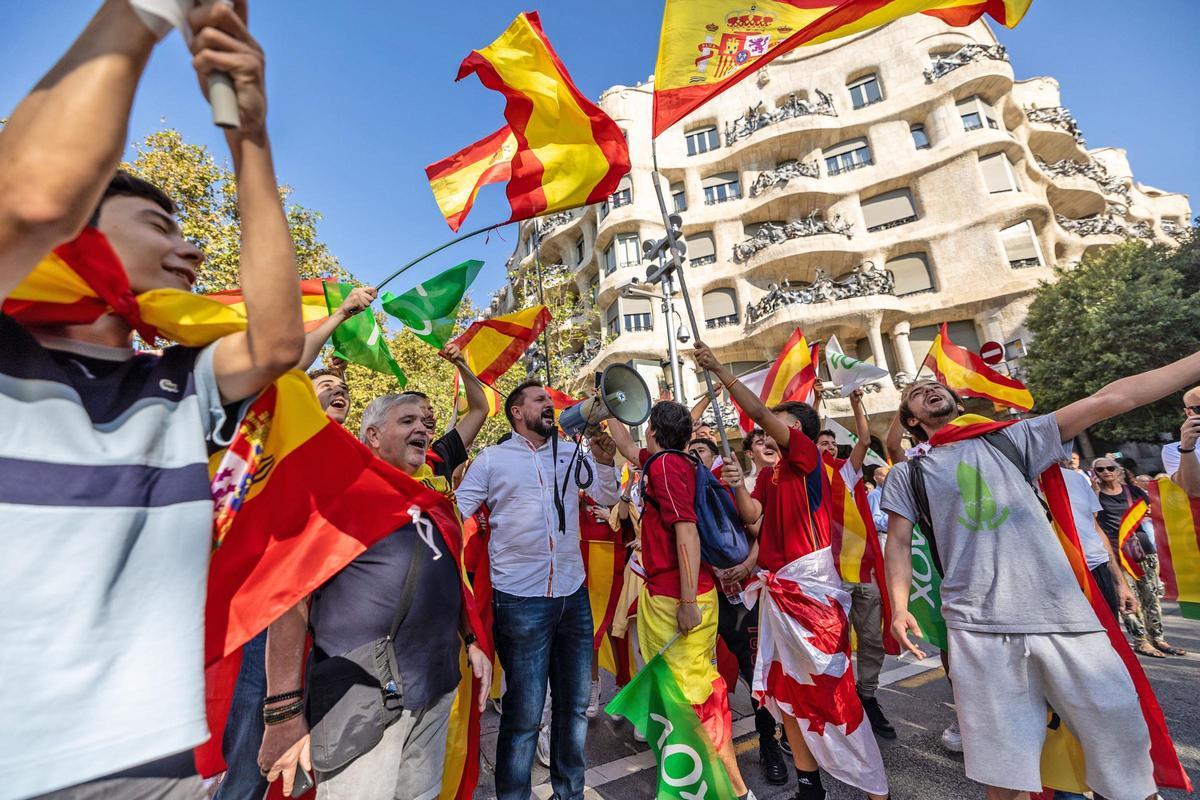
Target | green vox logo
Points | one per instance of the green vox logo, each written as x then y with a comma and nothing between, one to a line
978,503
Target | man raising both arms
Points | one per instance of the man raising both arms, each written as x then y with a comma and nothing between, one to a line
104,450
1022,635
803,618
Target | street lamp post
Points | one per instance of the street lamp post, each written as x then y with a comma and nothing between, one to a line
670,316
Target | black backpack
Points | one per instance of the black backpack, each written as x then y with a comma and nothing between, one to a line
723,542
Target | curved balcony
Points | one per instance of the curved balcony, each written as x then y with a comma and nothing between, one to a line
1054,135
778,178
770,234
1173,231
967,54
870,281
758,117
1111,223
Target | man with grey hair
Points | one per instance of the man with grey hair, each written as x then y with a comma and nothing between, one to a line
403,596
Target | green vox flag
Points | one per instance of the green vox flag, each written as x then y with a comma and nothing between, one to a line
360,339
925,597
430,309
688,766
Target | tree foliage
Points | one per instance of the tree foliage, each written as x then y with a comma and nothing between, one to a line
1129,309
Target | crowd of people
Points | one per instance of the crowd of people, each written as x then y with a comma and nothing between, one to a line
104,455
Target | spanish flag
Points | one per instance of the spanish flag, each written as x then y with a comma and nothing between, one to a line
1129,525
493,345
460,398
457,179
604,556
569,153
312,302
1176,519
707,46
966,373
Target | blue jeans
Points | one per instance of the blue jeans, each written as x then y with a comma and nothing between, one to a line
539,638
1067,796
244,728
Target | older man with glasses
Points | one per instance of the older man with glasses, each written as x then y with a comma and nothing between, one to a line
1179,458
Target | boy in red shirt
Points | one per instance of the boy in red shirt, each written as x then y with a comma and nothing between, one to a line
680,592
803,673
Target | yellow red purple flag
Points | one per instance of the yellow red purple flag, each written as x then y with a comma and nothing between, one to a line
493,345
966,373
569,153
707,46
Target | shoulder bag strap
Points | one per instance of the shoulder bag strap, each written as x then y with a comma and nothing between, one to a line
411,576
924,520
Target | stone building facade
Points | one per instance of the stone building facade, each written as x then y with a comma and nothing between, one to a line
870,188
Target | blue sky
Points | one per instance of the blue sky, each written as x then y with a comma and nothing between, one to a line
362,97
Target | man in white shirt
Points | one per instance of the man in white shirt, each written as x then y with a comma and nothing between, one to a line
543,618
1097,552
1186,471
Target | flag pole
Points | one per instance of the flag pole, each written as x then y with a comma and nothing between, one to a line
537,263
687,299
437,250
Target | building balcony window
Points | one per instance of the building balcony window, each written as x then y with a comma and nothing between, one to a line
920,137
721,322
896,223
1025,263
863,281
889,210
721,189
702,140
703,260
946,63
848,163
701,248
976,113
865,91
678,198
638,322
767,234
757,117
622,198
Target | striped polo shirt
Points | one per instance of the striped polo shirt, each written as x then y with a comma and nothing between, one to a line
105,530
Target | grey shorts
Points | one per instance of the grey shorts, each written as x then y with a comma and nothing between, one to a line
1003,687
170,778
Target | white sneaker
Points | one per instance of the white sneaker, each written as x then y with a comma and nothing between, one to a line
952,738
637,735
543,746
593,707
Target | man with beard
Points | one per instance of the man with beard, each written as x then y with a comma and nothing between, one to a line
543,619
1022,635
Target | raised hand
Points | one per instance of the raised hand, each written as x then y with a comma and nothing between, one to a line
221,42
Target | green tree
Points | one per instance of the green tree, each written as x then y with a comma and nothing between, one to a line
1129,309
206,193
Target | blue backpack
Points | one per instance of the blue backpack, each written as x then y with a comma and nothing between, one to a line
723,542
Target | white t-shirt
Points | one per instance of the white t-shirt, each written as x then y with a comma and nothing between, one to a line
1171,457
1084,506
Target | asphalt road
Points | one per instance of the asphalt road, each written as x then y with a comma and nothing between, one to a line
917,700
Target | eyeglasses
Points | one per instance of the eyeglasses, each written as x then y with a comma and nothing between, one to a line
1105,469
1193,409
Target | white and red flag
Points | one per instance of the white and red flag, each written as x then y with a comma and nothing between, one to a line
803,667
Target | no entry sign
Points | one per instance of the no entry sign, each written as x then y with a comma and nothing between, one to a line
992,352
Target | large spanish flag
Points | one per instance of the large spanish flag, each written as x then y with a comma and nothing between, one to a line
569,153
457,179
707,46
966,373
493,345
1176,519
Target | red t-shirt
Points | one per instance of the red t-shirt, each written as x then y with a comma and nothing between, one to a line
670,498
790,494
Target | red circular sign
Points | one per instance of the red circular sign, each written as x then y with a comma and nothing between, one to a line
992,352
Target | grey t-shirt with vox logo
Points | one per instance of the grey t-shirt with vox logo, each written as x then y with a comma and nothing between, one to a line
1005,571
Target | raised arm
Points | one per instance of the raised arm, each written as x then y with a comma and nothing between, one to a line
602,452
473,491
701,406
745,398
359,298
749,509
1126,394
62,143
273,341
470,423
624,441
894,441
862,429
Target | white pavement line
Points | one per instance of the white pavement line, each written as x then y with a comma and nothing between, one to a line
631,765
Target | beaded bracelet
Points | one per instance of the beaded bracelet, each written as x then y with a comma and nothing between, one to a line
283,713
279,698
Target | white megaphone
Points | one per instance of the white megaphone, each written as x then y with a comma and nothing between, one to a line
622,394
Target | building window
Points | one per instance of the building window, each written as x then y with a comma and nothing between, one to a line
847,156
721,188
702,140
604,209
628,250
594,290
920,137
678,197
701,249
911,273
865,91
623,196
962,332
637,314
720,308
889,210
998,174
579,252
610,259
976,113
612,320
1021,246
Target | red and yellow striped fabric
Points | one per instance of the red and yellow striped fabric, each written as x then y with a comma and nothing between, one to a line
794,373
966,373
1176,519
460,398
312,302
493,345
1129,524
707,46
457,179
569,153
604,568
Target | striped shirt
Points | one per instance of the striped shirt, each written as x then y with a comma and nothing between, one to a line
105,526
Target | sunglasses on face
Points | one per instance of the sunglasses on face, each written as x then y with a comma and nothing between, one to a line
1105,469
1193,409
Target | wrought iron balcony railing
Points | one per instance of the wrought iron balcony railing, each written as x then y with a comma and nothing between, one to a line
1059,117
758,117
1092,170
772,178
865,280
770,233
944,65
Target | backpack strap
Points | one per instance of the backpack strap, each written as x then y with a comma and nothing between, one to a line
1008,449
924,521
646,472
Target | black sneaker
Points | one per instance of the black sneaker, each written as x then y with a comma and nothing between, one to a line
770,755
879,723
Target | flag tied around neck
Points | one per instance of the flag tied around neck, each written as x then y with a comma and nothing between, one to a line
558,151
707,46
